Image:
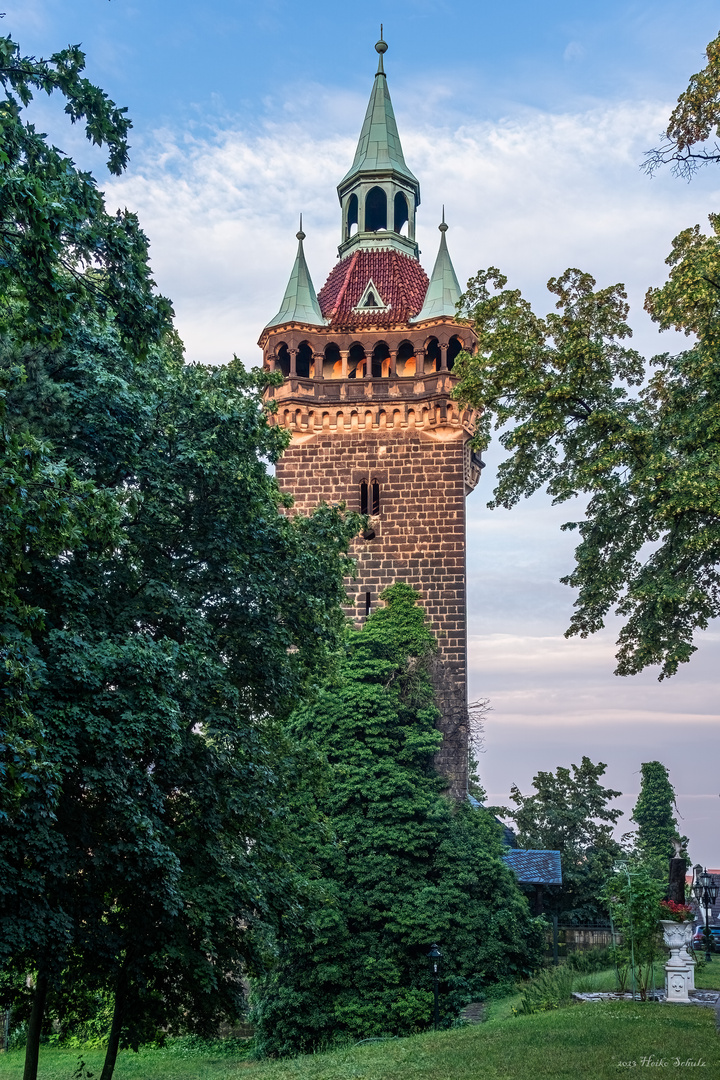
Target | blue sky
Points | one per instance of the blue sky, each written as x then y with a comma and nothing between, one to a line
529,121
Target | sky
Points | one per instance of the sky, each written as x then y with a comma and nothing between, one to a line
529,123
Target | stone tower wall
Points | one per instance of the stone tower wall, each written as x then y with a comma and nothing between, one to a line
419,538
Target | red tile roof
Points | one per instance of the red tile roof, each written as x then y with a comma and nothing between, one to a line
400,280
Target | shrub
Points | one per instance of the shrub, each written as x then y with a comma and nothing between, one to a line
591,960
551,989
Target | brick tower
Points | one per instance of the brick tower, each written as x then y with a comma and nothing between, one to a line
367,367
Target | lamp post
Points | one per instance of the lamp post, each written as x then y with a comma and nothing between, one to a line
705,889
435,957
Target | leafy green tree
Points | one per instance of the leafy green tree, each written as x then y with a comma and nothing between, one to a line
694,121
169,657
569,811
61,251
161,612
562,390
400,866
632,895
657,833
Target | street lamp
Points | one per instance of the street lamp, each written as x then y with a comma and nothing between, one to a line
705,889
435,958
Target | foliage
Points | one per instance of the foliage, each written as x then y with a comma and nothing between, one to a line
633,899
587,961
60,251
161,613
62,258
657,832
401,867
563,391
551,989
694,120
168,658
569,812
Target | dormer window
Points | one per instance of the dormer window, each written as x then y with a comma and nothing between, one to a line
371,299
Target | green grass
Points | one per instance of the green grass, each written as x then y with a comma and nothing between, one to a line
582,1042
706,978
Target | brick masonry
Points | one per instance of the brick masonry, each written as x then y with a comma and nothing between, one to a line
419,539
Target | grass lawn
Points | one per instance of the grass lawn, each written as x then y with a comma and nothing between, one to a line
707,977
582,1042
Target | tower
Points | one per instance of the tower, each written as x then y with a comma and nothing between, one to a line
368,377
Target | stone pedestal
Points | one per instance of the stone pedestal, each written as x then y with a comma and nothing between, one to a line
680,969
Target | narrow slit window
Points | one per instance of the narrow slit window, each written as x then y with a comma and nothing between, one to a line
368,604
364,497
375,490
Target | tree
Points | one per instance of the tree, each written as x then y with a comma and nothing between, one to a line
161,615
61,251
569,812
694,120
169,658
563,390
657,832
632,895
400,866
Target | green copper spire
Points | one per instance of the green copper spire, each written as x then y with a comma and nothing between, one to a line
300,303
379,149
444,289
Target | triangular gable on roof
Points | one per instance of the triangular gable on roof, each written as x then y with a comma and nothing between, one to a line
371,300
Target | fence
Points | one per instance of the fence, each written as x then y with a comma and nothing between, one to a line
560,941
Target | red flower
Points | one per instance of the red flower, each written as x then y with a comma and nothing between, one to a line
676,912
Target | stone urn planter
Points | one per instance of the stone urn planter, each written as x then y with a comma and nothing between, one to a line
680,968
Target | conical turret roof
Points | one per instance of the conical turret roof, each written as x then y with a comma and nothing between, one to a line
379,149
444,289
300,303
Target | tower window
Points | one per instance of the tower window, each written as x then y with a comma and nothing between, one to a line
432,353
352,215
356,359
368,604
304,360
454,347
401,212
375,501
364,497
375,210
282,360
380,354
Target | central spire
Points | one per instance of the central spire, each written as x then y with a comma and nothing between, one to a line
379,194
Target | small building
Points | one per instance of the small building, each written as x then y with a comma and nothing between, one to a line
538,868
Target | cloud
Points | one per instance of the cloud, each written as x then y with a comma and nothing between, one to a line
573,51
532,194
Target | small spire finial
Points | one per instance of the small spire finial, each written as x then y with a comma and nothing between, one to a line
300,235
381,47
442,226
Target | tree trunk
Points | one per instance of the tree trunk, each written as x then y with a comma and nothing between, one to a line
116,1027
32,1046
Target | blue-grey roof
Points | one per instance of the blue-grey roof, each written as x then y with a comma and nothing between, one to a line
300,303
535,867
